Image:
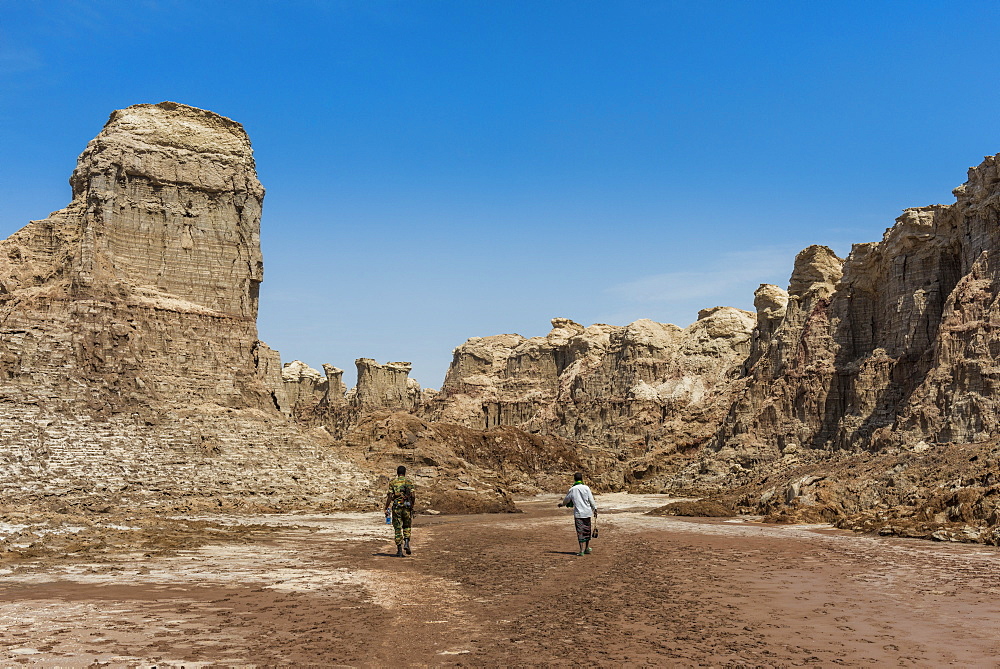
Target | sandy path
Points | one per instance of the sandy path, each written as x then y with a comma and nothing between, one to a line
506,590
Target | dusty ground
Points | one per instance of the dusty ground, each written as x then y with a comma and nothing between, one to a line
507,590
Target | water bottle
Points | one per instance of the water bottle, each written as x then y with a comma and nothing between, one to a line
388,517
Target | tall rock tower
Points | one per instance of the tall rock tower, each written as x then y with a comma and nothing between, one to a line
128,338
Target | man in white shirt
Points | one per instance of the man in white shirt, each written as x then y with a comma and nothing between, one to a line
581,500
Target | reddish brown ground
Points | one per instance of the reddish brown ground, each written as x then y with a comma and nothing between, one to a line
507,590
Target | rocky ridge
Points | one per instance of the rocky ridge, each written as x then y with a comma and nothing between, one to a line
638,389
889,355
885,356
130,365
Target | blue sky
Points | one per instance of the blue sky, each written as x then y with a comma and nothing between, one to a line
438,170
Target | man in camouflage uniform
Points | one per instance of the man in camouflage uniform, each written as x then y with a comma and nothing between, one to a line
399,501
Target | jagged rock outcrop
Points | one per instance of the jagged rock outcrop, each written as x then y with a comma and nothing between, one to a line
335,388
792,334
323,400
869,399
129,358
628,388
162,229
895,344
387,386
303,385
771,303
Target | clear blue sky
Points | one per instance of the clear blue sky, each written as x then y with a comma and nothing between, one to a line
438,170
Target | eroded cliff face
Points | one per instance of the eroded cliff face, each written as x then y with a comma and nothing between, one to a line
629,388
158,249
893,345
129,356
869,397
865,393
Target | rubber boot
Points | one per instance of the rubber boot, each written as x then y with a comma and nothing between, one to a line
399,550
406,546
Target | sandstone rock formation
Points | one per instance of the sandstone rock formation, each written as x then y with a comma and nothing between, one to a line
316,399
303,385
865,394
893,345
129,356
387,386
869,397
627,388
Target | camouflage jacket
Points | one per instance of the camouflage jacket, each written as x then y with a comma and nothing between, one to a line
400,492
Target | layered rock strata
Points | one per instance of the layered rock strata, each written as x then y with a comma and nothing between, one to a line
322,399
628,388
869,396
893,345
129,356
387,386
304,386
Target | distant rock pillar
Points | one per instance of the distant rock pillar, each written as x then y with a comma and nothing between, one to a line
385,386
771,303
335,388
304,386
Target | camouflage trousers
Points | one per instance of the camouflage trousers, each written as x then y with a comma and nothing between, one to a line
402,519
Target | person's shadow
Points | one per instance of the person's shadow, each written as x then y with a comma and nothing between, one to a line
383,555
561,552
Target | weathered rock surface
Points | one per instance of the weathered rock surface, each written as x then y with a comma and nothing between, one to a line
893,345
129,359
865,394
459,468
631,389
303,385
324,401
874,362
387,386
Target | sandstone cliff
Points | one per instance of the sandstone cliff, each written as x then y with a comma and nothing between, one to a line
130,367
893,345
869,396
629,388
129,356
322,399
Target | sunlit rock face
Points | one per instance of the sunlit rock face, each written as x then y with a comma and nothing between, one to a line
387,386
172,204
624,387
129,347
147,282
895,344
